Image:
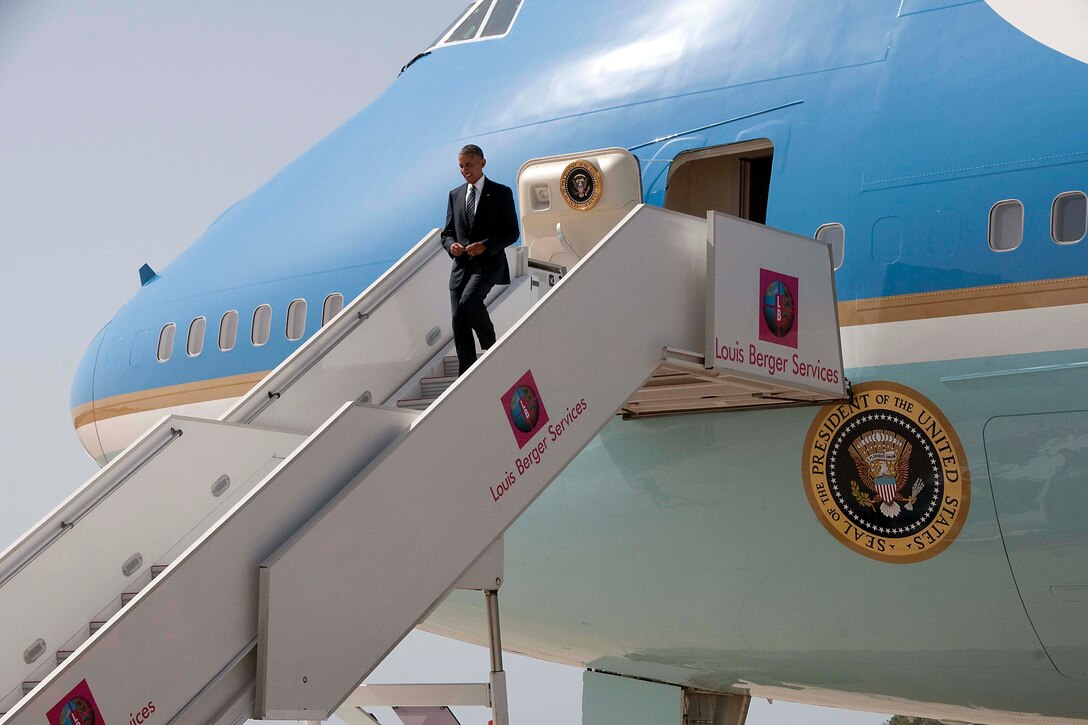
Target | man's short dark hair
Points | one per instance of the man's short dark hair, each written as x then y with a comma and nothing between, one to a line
472,150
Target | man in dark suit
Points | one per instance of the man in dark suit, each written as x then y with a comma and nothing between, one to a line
480,224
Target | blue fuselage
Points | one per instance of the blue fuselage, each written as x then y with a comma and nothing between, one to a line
683,549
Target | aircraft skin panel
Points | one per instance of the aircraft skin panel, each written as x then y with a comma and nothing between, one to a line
1037,463
992,336
115,433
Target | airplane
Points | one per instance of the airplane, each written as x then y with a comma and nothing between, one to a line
932,143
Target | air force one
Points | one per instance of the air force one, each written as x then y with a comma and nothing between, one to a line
789,398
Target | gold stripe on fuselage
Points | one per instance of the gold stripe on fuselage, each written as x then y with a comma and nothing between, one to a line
899,308
170,396
967,301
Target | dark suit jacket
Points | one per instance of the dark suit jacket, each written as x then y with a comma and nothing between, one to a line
496,225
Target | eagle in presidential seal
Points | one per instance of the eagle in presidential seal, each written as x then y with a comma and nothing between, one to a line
581,185
883,461
886,475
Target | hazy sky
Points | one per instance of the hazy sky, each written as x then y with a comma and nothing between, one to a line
125,129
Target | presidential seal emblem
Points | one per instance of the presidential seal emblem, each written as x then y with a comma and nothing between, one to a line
581,185
886,474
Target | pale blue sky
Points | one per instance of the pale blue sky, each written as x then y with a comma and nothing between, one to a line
125,129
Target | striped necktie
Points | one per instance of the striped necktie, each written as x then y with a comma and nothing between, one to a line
470,205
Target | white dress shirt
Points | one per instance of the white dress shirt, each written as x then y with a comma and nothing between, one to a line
479,192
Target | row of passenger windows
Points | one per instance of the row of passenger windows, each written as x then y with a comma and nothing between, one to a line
1068,225
1068,221
260,331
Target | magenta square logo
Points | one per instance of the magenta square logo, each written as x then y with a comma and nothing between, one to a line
77,708
524,409
777,308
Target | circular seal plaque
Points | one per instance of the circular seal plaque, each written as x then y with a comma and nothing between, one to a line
886,474
581,185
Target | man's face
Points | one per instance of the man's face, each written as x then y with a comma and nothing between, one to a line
472,167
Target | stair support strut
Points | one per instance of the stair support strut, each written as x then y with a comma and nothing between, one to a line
499,706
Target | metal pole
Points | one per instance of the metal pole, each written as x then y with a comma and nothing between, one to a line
499,707
494,634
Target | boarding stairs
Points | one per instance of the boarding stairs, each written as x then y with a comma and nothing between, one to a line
263,564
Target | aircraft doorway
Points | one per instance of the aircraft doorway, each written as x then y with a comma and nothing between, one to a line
733,179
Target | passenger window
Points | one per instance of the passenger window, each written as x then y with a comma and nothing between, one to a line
333,304
262,325
166,342
195,344
835,235
296,319
468,29
501,17
1069,217
228,331
1006,225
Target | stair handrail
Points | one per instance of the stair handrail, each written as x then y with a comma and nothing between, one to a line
84,500
311,352
68,513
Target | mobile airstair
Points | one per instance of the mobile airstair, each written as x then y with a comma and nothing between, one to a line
262,565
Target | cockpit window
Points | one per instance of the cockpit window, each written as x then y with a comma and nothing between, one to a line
482,19
502,16
470,28
451,26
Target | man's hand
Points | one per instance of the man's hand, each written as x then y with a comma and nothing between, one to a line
456,249
475,249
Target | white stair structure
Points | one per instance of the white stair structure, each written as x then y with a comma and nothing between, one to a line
301,537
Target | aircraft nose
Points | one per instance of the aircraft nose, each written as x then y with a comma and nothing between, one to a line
82,400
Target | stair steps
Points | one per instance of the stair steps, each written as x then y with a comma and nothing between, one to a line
94,626
433,386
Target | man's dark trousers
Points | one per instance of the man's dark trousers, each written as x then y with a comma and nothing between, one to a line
495,226
470,315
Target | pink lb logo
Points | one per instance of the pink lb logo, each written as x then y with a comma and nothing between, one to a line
778,308
524,409
77,708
